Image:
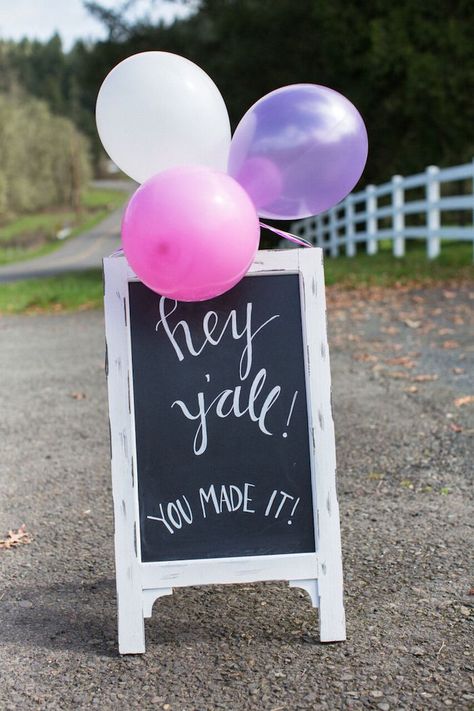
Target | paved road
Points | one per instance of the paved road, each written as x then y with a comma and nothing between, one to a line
400,361
85,251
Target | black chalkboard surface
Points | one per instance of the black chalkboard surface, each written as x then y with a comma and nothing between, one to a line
221,424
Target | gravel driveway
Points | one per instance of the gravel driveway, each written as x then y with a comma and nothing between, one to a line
402,372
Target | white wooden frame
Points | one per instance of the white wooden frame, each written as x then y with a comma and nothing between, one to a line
320,573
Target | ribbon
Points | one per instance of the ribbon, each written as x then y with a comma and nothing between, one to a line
287,235
281,233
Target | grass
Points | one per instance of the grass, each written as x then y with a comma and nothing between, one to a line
28,224
68,292
83,290
15,254
38,231
383,269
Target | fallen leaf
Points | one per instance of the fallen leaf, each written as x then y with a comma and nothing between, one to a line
15,538
78,396
410,389
428,327
390,330
464,400
450,344
458,371
396,374
424,377
375,476
445,331
412,324
449,294
401,360
455,427
365,357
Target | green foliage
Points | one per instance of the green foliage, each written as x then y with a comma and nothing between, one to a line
408,66
43,158
101,198
67,292
42,70
35,234
46,222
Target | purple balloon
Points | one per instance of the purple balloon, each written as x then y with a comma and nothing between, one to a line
298,151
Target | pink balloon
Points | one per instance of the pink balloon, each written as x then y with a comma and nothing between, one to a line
190,233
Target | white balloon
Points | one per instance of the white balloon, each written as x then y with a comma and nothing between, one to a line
157,110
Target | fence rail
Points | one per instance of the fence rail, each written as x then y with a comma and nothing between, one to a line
382,212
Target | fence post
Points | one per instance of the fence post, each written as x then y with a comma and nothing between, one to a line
433,215
398,198
333,237
371,207
350,231
318,234
472,188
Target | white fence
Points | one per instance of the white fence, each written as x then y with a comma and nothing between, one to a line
435,205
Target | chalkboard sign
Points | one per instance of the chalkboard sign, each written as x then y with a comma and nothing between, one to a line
221,422
222,438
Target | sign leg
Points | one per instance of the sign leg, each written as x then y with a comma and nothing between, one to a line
332,620
131,625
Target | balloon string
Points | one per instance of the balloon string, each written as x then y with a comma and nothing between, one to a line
275,230
287,235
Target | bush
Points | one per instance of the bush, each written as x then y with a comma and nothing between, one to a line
44,160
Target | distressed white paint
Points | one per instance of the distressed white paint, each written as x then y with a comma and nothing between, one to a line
362,212
332,625
127,566
246,569
320,574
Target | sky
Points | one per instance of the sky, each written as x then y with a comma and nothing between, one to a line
39,19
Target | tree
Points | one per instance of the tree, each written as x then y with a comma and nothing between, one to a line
44,160
408,66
